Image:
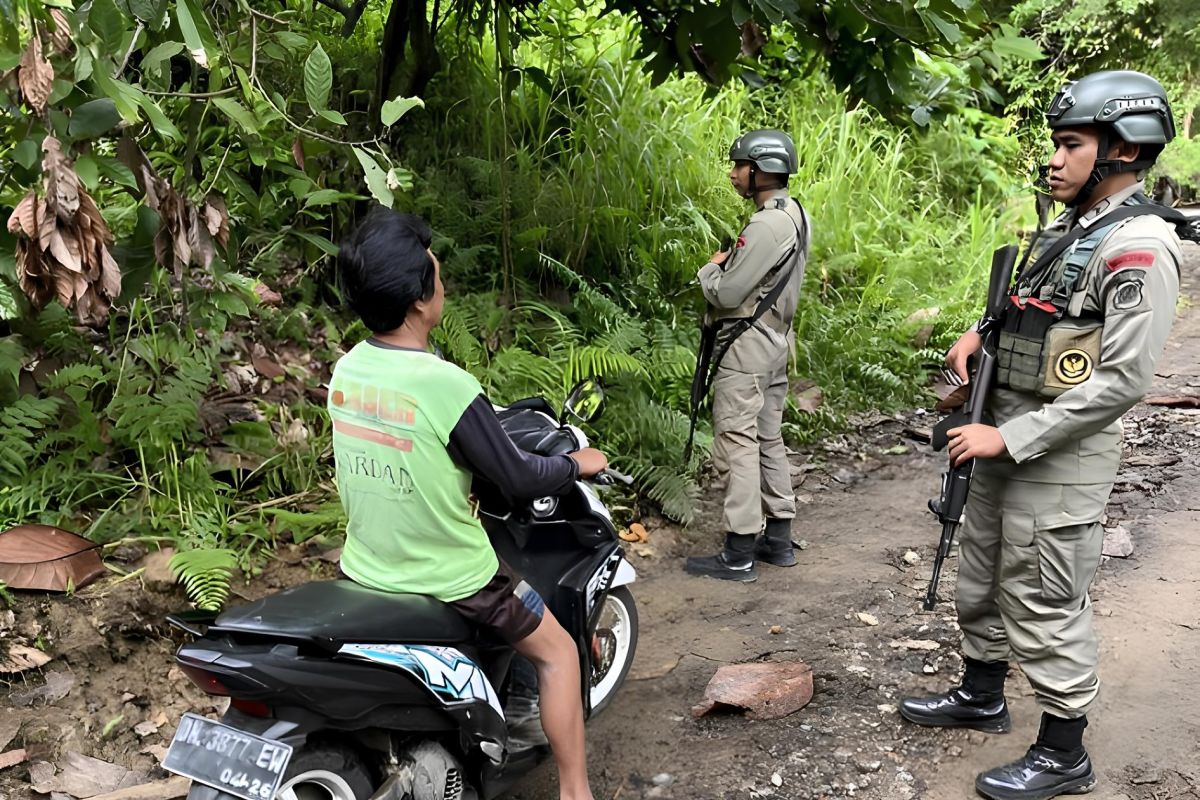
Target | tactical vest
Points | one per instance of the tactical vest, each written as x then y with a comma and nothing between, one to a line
1048,343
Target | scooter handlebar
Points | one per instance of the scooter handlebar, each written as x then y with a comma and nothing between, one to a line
609,476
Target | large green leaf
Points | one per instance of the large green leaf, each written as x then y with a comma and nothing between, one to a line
193,26
238,113
320,242
1018,47
152,62
376,177
158,119
395,109
93,118
126,98
116,172
318,79
324,197
88,171
27,153
109,24
333,116
149,11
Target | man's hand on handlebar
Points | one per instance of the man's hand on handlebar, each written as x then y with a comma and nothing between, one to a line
591,461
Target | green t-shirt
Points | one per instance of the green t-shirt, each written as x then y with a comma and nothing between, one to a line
411,526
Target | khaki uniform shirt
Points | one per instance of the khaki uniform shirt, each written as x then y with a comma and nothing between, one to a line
1132,281
768,246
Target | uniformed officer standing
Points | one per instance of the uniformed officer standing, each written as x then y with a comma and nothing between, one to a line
750,385
1077,350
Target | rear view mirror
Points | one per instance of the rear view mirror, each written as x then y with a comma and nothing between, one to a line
586,401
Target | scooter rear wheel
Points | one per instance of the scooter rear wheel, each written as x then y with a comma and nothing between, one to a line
326,773
618,633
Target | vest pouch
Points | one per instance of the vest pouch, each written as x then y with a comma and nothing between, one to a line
1072,352
1019,351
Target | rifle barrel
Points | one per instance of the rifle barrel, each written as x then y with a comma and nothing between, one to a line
948,529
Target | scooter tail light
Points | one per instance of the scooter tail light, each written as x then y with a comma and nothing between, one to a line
253,708
209,682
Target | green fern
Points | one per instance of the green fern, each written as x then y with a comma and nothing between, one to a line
22,428
205,575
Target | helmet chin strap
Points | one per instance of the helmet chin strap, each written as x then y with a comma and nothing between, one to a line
1102,168
753,188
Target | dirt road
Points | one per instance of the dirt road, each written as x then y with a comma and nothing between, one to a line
112,693
863,510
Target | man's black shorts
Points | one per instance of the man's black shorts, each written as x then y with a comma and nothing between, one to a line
507,607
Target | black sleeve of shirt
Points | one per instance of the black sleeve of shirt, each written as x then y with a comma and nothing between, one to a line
480,445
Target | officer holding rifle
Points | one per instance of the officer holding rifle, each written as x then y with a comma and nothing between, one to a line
1075,348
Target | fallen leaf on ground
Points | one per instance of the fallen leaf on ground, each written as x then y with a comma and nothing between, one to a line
83,776
57,686
145,728
765,691
159,790
22,657
810,399
636,532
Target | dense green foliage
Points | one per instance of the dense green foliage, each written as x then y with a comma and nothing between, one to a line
213,154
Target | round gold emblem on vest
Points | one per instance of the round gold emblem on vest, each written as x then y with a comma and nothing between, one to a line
1073,366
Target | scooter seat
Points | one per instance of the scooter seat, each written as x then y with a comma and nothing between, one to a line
331,613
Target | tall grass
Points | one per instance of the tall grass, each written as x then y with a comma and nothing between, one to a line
572,222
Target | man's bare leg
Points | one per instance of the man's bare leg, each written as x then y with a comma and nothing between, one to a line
554,657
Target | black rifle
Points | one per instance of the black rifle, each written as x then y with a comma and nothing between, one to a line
704,368
956,481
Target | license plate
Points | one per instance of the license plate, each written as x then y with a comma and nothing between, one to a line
232,760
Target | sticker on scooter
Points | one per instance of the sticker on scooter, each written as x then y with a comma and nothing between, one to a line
451,676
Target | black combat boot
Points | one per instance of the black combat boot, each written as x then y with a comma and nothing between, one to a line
734,563
1056,764
978,703
775,545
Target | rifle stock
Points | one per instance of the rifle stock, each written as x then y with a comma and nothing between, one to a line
956,481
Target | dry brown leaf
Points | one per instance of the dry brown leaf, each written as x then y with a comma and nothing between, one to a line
62,184
216,217
36,76
298,152
63,243
266,295
22,657
60,37
24,217
810,399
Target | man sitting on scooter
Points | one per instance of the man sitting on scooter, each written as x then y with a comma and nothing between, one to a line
409,431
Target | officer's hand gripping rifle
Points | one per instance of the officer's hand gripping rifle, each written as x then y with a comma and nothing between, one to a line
956,480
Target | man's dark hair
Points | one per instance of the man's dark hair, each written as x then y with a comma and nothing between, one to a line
383,267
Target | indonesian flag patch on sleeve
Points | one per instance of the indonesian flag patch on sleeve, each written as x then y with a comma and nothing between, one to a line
1134,259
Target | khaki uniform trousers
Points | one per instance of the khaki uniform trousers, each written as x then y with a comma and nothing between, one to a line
748,450
1027,555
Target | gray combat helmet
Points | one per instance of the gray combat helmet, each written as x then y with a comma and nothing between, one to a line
1122,105
1132,104
768,149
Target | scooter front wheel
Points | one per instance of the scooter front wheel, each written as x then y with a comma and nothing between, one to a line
617,635
326,773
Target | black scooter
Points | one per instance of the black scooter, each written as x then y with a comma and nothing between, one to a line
341,692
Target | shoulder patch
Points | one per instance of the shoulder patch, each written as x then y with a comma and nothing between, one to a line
1136,259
